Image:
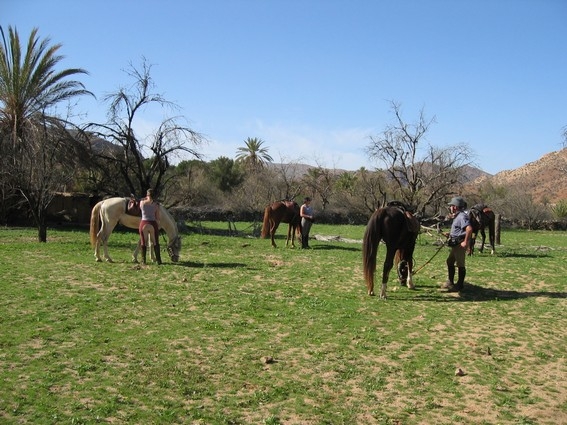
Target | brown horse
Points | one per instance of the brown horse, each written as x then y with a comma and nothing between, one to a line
481,217
282,212
398,228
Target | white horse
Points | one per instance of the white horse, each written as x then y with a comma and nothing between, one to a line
108,213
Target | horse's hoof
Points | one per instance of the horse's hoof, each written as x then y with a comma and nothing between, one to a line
98,260
109,260
371,293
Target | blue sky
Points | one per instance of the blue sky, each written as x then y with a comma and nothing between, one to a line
315,78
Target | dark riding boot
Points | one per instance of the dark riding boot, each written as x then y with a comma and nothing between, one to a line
158,254
461,280
450,284
144,254
304,241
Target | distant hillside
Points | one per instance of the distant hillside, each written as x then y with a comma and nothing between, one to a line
544,179
472,173
298,170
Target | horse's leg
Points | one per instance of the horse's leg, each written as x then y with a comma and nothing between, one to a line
293,231
103,236
135,253
273,229
290,235
97,248
99,241
409,280
397,260
483,235
388,264
400,259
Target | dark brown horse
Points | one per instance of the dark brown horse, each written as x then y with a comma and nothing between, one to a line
481,217
398,228
282,212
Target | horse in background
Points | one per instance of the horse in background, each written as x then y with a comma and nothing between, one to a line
282,212
107,213
398,228
481,217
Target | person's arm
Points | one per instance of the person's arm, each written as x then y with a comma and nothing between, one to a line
468,235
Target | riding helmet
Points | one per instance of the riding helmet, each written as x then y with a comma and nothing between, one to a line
459,202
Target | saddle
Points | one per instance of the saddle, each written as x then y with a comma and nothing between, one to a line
133,207
411,222
479,207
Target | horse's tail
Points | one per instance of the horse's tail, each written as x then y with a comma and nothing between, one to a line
266,223
372,237
95,222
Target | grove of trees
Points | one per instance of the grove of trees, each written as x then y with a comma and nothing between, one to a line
45,151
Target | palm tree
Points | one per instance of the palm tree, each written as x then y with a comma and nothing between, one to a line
34,140
253,155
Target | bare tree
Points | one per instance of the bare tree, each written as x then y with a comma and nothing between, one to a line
372,188
143,161
256,191
422,177
320,181
288,177
519,205
48,161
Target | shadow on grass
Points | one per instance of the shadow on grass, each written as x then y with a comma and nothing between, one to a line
522,255
478,293
335,247
197,265
473,293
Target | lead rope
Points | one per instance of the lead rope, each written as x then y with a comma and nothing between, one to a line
429,261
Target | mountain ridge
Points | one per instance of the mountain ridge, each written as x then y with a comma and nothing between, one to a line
545,179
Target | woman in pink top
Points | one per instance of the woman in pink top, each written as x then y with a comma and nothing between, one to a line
150,215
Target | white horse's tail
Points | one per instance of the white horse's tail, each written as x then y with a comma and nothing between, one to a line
95,222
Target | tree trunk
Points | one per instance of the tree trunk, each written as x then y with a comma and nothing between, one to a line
42,228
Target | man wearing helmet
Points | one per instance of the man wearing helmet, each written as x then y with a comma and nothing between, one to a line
459,237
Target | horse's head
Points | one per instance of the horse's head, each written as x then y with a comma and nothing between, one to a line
174,248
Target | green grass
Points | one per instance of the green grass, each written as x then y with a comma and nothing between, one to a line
84,342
